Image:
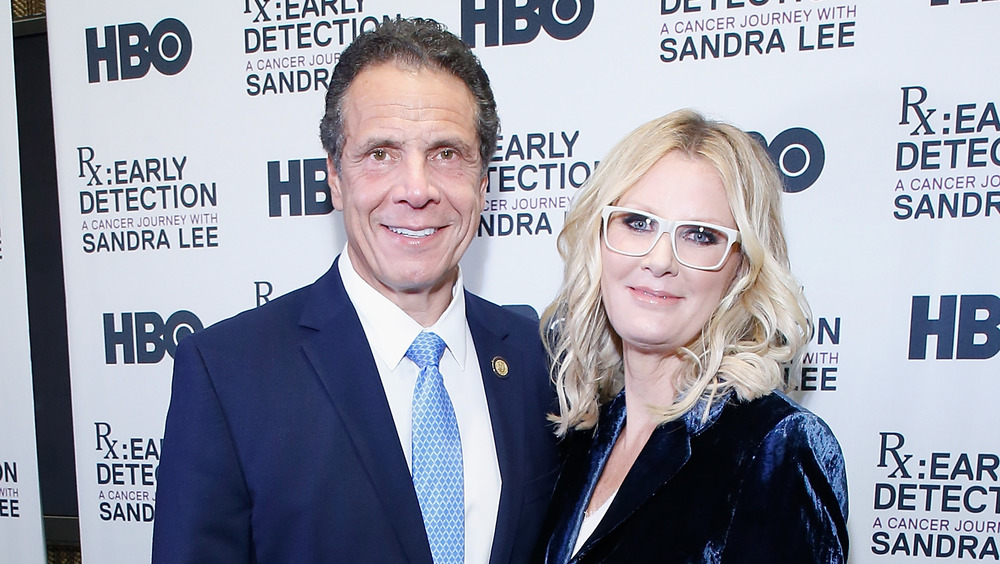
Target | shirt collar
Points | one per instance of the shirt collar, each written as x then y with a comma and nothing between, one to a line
390,330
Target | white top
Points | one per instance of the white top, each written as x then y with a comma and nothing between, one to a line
390,331
590,522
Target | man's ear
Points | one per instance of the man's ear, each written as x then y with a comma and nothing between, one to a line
483,184
333,181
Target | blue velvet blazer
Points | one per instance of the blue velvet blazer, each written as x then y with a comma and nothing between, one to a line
761,481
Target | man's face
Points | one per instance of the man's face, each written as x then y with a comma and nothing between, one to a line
410,183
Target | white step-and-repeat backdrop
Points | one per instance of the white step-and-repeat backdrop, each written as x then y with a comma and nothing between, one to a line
20,501
192,186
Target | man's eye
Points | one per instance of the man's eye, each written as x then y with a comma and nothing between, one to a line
378,154
447,154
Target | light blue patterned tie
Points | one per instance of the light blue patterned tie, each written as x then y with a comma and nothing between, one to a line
437,454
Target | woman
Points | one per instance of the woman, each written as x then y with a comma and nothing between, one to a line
678,308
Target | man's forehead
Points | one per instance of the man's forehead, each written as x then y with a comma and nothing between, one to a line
392,97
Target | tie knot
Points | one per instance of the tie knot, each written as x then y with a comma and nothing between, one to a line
426,349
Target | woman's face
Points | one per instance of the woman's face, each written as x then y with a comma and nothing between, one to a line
653,302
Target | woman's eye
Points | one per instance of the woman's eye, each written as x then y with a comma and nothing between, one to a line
701,235
639,222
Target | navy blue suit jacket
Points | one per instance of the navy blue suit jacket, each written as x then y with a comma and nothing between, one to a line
280,447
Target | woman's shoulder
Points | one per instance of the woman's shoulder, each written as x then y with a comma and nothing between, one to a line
798,437
743,420
791,420
776,423
776,410
792,474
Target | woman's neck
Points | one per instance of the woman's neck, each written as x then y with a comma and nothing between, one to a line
649,387
649,383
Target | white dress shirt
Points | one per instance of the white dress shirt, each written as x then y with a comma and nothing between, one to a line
390,331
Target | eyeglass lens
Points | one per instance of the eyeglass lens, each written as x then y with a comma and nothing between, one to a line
635,234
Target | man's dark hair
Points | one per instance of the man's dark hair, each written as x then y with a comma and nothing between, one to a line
418,42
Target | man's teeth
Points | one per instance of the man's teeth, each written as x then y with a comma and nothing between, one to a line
410,233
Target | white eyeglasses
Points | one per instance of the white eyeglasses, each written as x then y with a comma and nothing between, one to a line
696,244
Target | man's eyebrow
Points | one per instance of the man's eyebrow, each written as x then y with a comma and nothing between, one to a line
455,142
377,142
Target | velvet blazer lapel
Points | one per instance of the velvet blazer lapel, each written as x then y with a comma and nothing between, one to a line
580,474
665,453
339,353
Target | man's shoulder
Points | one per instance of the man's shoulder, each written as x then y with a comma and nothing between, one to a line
517,319
305,305
261,324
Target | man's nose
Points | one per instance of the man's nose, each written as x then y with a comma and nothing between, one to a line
415,186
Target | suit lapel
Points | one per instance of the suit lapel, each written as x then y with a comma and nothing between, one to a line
504,397
342,359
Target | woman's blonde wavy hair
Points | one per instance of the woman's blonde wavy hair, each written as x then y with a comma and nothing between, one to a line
762,322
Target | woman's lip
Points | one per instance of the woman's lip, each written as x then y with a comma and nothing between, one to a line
653,295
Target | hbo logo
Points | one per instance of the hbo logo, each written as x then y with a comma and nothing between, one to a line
799,156
129,49
306,184
144,336
966,327
561,19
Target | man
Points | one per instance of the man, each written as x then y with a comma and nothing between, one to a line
293,428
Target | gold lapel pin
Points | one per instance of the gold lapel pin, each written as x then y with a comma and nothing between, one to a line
500,367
